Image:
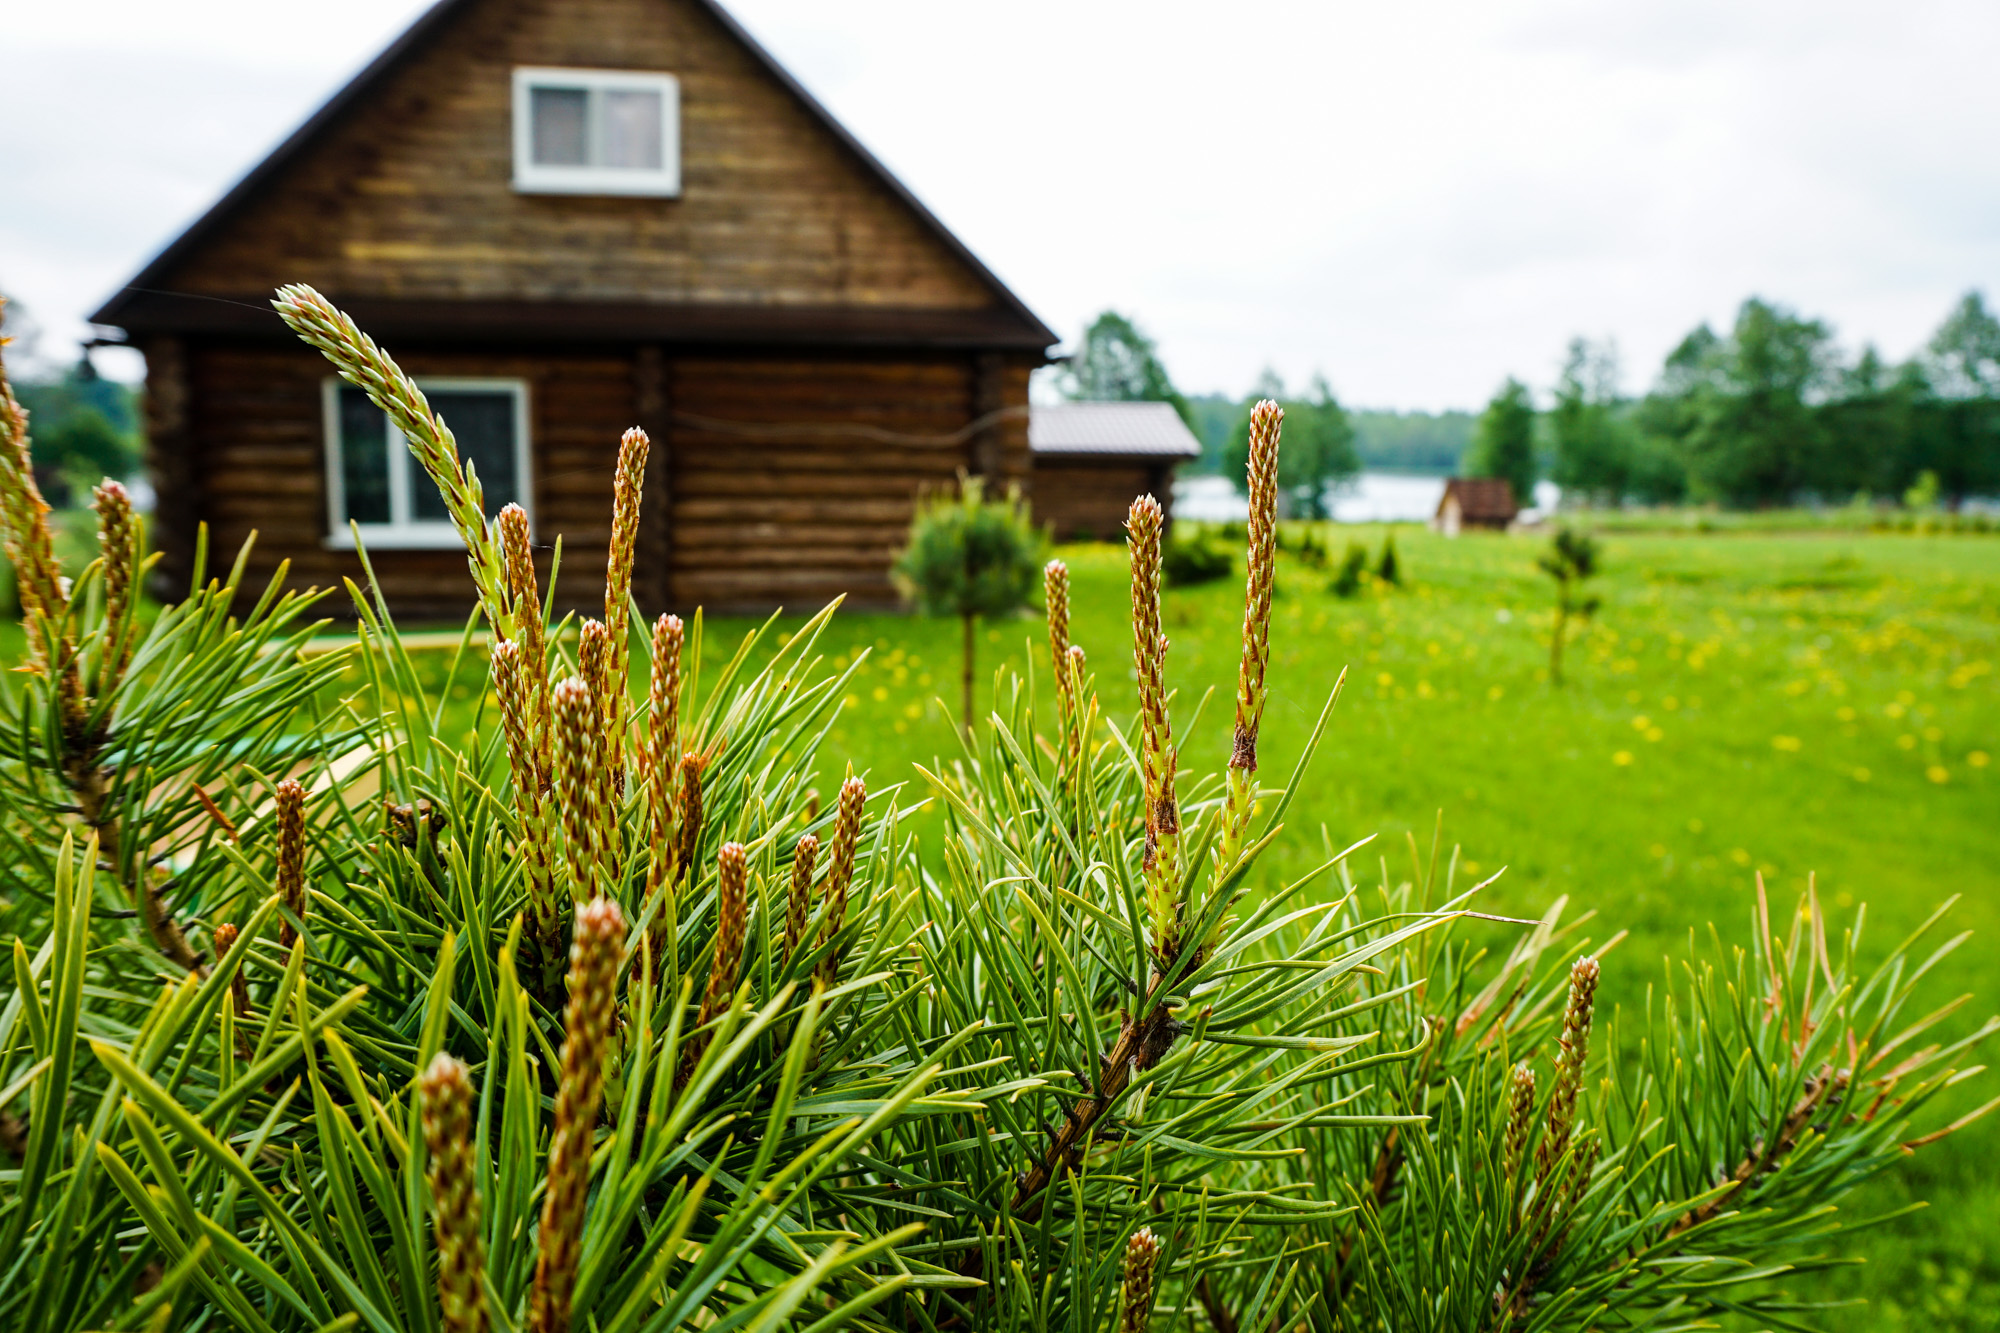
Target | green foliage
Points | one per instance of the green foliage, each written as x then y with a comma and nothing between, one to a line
1923,493
1769,414
1419,443
1425,443
1570,559
1353,571
1754,436
1605,1217
1117,362
1962,359
85,428
1388,569
1504,444
968,557
1193,556
1306,543
1211,416
1594,443
1319,446
947,1099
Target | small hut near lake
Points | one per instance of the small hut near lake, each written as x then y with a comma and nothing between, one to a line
567,217
1475,502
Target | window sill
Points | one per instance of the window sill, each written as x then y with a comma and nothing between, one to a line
584,180
443,538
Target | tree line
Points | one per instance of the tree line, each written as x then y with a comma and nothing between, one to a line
1117,362
86,427
1770,412
1767,413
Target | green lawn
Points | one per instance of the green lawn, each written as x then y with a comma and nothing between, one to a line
1820,703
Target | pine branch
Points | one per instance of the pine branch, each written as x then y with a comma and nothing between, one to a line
1822,1086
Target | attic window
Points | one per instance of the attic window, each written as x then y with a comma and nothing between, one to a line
374,482
596,131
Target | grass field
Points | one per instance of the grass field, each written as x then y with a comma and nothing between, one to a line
1819,703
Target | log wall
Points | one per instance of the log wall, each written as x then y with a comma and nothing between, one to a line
762,516
745,509
257,459
1086,498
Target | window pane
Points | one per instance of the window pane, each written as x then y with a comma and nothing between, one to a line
483,422
632,130
560,117
364,458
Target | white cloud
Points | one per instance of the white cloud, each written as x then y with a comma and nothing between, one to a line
1417,198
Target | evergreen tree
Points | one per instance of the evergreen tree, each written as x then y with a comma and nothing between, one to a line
1118,363
1593,445
1757,438
1958,430
1504,443
968,557
1570,559
1319,445
1873,423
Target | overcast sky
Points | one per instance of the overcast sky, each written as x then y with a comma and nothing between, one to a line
1416,198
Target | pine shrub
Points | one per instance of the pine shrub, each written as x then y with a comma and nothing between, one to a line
627,1015
1195,557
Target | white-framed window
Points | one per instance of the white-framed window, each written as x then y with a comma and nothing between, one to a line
596,131
376,483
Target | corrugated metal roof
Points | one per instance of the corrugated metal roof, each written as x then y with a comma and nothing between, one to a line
1147,429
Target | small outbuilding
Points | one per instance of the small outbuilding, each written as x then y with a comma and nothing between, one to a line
1092,459
1475,502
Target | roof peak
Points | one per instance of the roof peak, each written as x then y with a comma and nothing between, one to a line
416,38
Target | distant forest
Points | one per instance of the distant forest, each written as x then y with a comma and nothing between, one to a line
1423,443
1769,411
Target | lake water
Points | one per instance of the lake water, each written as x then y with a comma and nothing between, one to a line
1373,497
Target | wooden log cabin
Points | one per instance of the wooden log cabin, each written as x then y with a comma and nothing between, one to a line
567,217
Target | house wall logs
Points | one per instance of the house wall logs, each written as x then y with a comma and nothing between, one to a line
747,510
802,518
1087,498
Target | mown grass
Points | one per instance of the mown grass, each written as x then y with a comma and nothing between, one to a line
1797,705
1822,705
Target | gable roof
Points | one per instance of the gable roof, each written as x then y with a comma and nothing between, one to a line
1490,498
1151,430
132,298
